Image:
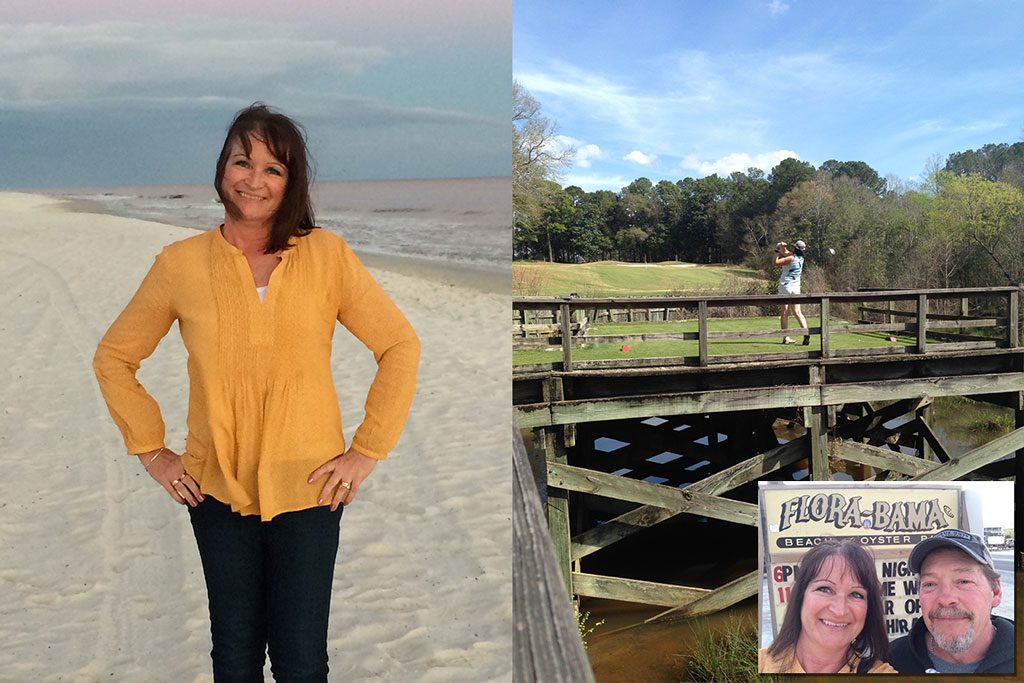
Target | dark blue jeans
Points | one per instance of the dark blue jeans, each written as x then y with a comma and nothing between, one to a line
269,586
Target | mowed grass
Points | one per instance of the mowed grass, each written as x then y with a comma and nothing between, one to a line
671,348
615,279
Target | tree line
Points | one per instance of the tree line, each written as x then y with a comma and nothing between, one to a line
964,226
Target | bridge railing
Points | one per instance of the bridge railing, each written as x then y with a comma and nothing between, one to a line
925,320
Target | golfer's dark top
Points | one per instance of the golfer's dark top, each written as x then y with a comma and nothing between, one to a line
909,654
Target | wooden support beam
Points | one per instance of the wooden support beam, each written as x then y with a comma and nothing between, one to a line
557,507
983,455
718,599
591,410
566,338
915,388
922,322
634,590
623,488
1012,319
932,444
623,526
814,420
880,458
627,524
702,331
826,350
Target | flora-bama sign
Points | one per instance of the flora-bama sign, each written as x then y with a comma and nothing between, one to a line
887,518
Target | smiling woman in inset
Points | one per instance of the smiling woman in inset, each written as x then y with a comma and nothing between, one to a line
834,621
266,472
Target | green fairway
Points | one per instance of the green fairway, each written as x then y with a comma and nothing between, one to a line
669,348
613,279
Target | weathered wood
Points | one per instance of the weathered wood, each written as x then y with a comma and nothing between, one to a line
702,331
994,450
566,338
914,388
814,420
634,590
730,478
623,526
880,458
558,505
922,322
622,488
752,300
532,415
591,410
962,346
718,599
872,351
754,334
909,327
545,638
1013,316
825,350
932,444
761,357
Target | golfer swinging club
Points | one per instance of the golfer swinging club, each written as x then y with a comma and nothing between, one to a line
792,264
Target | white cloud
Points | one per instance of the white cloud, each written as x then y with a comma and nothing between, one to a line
777,7
590,182
737,161
585,152
638,157
48,63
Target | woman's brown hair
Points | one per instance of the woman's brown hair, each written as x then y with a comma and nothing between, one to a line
287,142
872,643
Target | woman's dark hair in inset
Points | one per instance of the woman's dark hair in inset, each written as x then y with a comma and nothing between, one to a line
798,251
872,643
287,142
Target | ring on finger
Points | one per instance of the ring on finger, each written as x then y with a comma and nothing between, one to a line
175,482
346,485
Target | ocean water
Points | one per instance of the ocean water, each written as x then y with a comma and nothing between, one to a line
463,220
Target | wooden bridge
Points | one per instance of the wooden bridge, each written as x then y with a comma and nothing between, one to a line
623,444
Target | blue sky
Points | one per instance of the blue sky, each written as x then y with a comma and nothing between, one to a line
673,88
106,93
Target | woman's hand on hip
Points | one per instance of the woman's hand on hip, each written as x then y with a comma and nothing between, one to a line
165,467
345,473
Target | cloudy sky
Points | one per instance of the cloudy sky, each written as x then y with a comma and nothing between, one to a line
110,93
673,88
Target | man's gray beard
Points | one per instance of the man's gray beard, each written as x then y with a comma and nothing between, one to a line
955,644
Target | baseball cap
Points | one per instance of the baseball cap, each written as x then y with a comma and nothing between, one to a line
973,545
801,245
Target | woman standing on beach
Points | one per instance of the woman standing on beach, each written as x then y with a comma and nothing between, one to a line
266,472
789,283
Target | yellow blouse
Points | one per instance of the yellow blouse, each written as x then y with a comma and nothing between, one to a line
787,663
263,412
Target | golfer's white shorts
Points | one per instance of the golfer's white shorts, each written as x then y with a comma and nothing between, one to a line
789,288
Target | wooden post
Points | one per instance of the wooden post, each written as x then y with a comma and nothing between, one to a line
889,317
702,332
925,450
558,507
965,311
922,322
566,338
814,420
1011,319
825,352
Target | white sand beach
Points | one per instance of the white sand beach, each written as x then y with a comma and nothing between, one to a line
99,575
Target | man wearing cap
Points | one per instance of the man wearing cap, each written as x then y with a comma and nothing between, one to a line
957,632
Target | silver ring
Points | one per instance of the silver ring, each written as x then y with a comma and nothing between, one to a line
346,484
175,482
